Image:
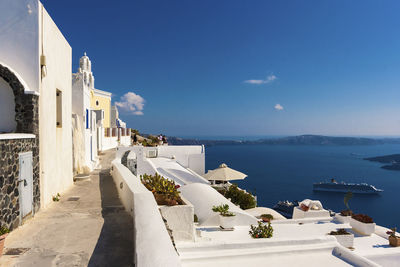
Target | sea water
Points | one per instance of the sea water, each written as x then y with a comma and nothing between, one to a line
287,172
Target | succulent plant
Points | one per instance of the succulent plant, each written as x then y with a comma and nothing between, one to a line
4,230
163,189
223,210
261,231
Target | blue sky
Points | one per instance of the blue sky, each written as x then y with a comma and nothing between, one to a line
241,68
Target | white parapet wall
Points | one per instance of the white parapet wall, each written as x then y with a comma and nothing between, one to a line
125,141
152,243
203,197
180,220
192,157
109,143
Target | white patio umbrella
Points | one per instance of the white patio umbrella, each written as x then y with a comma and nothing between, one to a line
224,173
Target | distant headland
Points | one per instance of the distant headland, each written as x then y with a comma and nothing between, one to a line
392,160
289,140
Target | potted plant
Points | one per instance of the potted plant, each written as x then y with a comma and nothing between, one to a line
394,240
362,224
266,217
304,207
226,218
3,234
344,238
345,215
261,231
165,191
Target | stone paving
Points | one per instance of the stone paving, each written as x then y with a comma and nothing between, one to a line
87,227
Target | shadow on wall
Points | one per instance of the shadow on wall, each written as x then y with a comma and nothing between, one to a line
115,244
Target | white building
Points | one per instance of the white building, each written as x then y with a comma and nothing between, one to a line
97,126
116,122
35,90
82,90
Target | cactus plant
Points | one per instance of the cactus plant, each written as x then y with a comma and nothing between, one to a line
164,190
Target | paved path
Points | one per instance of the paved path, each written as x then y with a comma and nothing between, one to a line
87,227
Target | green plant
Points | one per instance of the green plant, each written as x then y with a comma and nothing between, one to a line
346,213
4,230
223,210
392,233
56,198
135,131
164,190
346,199
362,218
261,231
267,217
240,197
196,219
340,231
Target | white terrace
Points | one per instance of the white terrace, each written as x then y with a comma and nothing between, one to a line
295,242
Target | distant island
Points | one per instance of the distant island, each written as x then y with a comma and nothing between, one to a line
392,160
290,140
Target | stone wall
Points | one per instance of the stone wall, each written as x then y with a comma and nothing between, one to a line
27,118
26,105
9,174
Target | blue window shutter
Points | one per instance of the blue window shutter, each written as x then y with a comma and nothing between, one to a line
87,119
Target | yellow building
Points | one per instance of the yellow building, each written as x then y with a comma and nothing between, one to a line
101,100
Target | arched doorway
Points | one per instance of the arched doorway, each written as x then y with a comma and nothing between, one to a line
8,123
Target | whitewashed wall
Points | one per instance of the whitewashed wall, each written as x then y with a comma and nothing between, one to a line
55,143
125,141
192,157
19,40
152,244
203,197
109,142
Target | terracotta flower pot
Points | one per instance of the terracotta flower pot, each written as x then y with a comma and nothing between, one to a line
2,240
394,241
304,207
265,219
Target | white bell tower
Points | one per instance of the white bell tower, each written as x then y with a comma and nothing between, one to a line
85,69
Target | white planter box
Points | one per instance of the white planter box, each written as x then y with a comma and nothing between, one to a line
180,220
227,222
342,219
300,214
346,241
362,228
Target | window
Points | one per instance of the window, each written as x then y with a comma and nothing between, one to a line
97,102
87,119
59,108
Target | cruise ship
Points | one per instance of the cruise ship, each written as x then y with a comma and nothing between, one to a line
334,186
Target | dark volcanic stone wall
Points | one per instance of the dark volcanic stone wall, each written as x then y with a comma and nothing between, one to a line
9,174
27,118
26,105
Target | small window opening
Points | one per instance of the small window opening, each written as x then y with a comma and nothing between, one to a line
97,102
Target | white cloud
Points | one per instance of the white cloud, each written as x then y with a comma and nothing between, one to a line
132,103
278,107
269,79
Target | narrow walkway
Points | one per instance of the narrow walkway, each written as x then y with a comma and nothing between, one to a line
87,227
